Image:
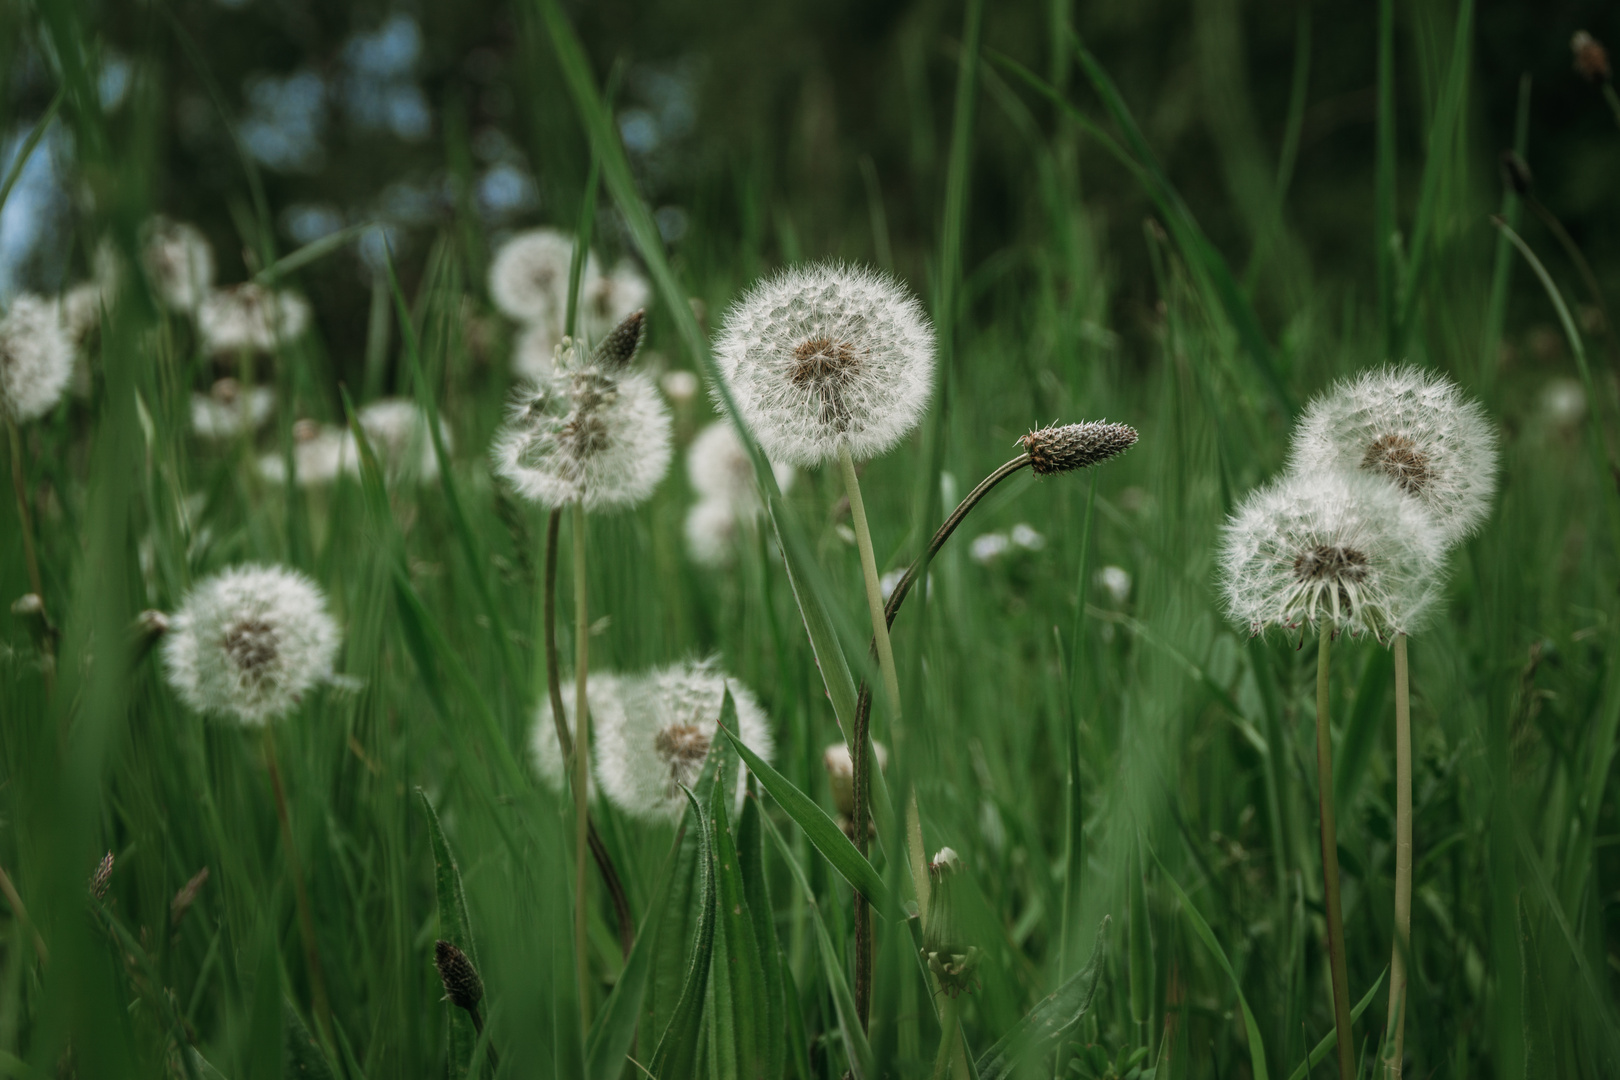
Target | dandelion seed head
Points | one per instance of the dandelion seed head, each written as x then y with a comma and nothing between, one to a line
398,432
824,354
1413,428
1063,447
534,353
250,318
248,642
840,766
1116,582
712,532
680,386
1341,549
229,410
321,452
671,718
528,279
36,358
611,298
607,711
179,263
585,434
719,468
988,547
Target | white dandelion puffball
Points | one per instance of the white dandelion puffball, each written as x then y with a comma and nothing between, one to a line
1339,548
720,468
321,452
607,711
179,263
534,353
248,642
825,354
36,358
840,766
680,385
614,297
250,318
229,410
1414,428
399,435
79,311
528,279
712,531
585,434
671,717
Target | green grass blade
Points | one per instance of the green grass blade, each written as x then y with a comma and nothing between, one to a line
1384,238
678,1046
1324,1046
302,1056
820,829
29,145
1052,1018
739,971
1257,1047
757,891
455,928
614,1029
311,252
1361,731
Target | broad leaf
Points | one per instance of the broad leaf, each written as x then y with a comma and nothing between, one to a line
455,928
679,1045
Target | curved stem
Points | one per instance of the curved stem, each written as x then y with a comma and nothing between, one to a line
1403,864
599,851
860,736
1330,860
581,761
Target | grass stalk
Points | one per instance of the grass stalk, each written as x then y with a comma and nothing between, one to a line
320,1003
1330,860
1403,864
581,763
949,1035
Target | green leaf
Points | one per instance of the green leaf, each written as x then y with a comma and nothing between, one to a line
757,890
204,1068
1361,731
1051,1019
1325,1047
29,145
310,252
738,984
454,928
678,1046
822,831
1257,1048
861,1064
301,1056
614,1029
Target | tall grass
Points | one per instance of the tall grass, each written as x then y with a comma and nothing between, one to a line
1092,756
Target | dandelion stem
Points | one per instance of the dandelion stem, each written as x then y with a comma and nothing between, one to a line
874,590
1403,864
604,862
949,1025
19,484
581,761
306,919
1330,859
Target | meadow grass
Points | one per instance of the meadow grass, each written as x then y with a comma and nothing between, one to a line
1128,768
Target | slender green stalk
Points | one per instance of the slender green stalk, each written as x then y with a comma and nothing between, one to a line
874,590
1330,861
19,486
1396,1027
582,754
949,1035
320,1003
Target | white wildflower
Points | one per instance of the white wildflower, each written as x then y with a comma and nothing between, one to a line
179,263
1116,582
1340,548
228,410
36,358
1027,537
587,432
607,711
989,547
250,318
840,766
1416,429
712,532
826,354
671,716
249,642
528,279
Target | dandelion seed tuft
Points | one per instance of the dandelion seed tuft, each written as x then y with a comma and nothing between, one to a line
612,298
1063,448
712,532
36,358
825,354
607,711
247,643
250,318
229,410
179,263
398,432
1341,549
840,766
585,434
671,717
528,279
719,468
1416,430
321,452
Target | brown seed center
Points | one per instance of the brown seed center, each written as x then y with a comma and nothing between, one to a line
1325,563
1398,458
682,746
251,645
824,367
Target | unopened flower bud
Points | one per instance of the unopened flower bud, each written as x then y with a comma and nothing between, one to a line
622,343
947,955
1063,448
1591,58
462,986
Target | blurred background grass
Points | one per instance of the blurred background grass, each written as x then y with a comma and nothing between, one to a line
761,135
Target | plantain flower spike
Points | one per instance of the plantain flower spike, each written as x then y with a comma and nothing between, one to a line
824,354
1411,427
1066,447
1341,549
248,642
